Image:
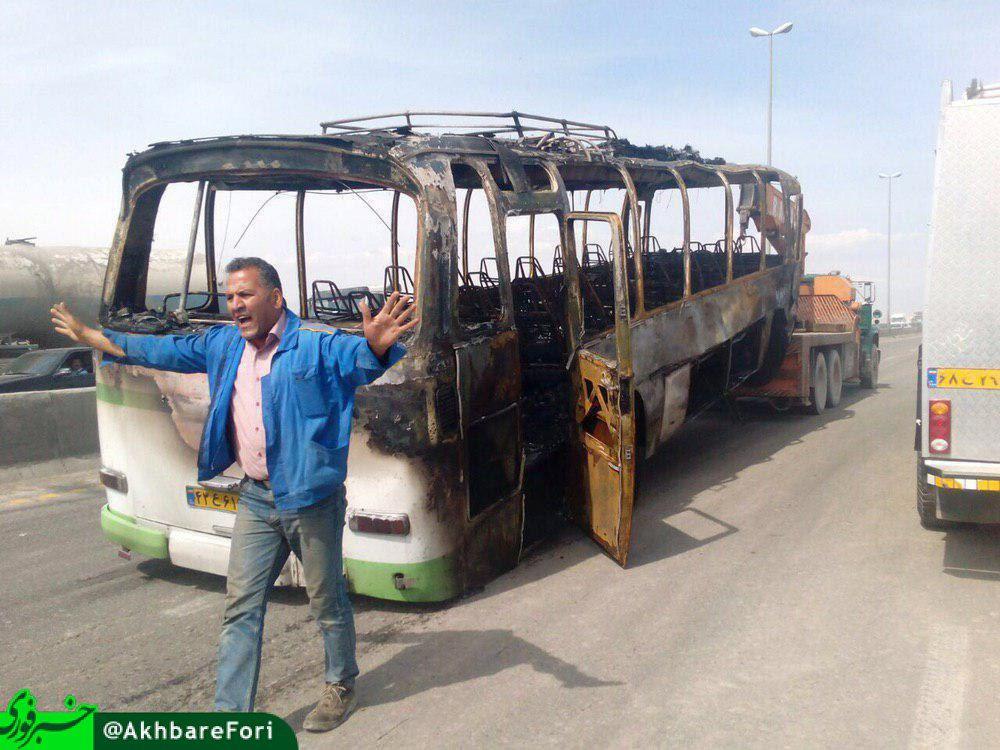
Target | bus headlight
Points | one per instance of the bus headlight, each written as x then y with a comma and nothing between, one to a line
364,522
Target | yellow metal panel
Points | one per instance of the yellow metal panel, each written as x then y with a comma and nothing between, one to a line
839,286
607,439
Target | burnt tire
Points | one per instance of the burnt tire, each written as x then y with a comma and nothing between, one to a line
869,373
818,391
835,379
927,503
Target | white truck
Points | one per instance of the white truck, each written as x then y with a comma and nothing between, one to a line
958,402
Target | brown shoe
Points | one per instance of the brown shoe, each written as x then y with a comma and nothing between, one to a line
335,705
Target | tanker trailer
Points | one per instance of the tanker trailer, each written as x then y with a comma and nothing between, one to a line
33,278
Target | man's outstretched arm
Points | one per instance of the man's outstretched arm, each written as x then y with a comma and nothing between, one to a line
174,353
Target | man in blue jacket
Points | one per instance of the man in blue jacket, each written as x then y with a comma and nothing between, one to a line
281,402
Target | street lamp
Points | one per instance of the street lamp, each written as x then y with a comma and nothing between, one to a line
754,31
888,251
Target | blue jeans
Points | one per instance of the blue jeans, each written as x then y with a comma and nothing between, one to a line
262,538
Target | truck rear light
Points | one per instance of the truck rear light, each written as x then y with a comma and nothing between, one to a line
939,426
114,480
397,524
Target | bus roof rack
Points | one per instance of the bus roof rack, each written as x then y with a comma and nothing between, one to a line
491,124
977,90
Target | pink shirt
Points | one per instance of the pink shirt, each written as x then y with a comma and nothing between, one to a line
246,414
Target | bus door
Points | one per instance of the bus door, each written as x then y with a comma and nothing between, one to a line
604,430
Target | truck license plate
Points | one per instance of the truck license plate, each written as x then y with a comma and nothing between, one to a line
968,378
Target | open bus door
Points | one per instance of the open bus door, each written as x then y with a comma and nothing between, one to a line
604,431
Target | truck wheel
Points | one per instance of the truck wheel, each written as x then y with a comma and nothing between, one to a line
927,503
869,373
819,382
835,384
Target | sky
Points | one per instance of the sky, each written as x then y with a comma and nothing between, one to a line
857,89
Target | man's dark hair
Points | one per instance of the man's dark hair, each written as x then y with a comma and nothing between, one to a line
268,273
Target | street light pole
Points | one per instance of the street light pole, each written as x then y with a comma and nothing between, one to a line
888,259
782,29
888,250
770,91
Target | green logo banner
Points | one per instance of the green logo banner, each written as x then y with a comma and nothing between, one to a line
22,725
82,726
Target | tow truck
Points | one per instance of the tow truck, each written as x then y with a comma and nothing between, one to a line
834,340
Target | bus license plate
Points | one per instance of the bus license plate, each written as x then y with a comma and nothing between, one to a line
199,497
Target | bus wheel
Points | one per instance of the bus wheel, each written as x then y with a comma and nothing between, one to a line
927,503
835,384
817,393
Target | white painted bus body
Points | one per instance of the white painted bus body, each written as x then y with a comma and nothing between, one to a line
150,425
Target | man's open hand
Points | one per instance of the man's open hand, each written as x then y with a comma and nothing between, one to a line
67,324
70,326
383,329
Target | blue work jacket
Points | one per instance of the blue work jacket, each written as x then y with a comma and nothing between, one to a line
307,400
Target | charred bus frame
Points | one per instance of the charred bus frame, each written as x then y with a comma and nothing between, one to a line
450,435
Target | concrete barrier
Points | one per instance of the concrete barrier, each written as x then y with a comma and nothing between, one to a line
51,428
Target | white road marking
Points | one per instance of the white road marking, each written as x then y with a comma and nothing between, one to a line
938,722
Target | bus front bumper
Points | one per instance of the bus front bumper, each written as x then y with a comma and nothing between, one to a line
124,530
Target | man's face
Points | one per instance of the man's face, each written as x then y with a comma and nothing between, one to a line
255,307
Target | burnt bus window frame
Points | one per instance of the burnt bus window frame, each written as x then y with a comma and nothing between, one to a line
649,195
482,172
540,304
129,279
484,169
395,250
537,174
573,274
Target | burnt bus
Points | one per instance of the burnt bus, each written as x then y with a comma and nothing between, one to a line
538,378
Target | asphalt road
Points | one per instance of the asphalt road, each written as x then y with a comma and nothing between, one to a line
780,593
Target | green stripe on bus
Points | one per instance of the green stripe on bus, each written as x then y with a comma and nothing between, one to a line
122,529
110,394
429,581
